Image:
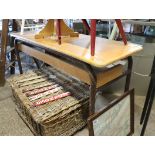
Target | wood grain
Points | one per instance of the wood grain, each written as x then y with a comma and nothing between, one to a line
103,76
106,52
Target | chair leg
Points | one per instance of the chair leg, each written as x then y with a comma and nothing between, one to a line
93,36
59,30
19,62
120,27
85,23
128,77
36,62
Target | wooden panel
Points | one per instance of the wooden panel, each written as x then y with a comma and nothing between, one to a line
102,77
59,64
109,75
106,52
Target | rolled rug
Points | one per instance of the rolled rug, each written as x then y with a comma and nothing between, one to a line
53,98
37,91
35,97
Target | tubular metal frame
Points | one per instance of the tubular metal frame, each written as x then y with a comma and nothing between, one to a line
85,66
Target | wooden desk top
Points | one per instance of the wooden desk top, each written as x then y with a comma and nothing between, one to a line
107,51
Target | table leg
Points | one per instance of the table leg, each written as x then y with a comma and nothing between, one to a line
92,99
36,62
12,67
92,93
93,36
121,31
18,57
92,88
128,77
14,28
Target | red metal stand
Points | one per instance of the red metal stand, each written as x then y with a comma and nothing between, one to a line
85,23
92,30
93,33
121,31
93,36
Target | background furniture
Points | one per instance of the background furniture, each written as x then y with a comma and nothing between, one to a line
149,100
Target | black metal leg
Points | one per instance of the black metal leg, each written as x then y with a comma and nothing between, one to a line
92,88
148,93
148,110
146,102
92,76
132,112
12,68
92,99
37,63
128,77
92,105
18,57
19,62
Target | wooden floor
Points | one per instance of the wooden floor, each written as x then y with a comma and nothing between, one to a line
12,125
